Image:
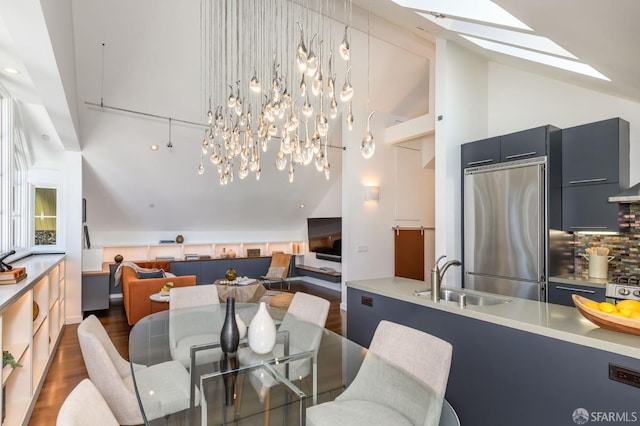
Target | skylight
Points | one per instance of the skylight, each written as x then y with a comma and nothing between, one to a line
526,40
482,22
476,10
541,58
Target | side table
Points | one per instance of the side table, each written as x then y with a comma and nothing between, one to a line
158,302
250,293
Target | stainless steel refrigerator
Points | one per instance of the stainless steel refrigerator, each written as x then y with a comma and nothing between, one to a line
505,230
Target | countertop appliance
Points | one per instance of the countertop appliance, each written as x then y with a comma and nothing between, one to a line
505,228
622,288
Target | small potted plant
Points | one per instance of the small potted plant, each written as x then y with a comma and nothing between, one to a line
8,359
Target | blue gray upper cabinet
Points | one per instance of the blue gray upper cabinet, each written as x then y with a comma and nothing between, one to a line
595,166
596,153
481,153
525,144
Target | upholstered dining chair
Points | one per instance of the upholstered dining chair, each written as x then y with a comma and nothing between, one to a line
84,405
305,320
188,297
278,270
163,387
194,327
403,371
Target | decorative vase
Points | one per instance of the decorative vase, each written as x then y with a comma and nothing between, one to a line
229,335
118,258
242,327
179,239
262,331
232,253
231,274
229,365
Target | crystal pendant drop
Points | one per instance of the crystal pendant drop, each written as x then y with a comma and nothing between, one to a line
320,161
349,117
368,146
333,109
281,161
291,172
231,101
200,167
322,124
254,84
307,109
347,88
344,46
316,87
327,168
303,86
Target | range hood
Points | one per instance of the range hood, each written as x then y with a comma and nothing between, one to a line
631,195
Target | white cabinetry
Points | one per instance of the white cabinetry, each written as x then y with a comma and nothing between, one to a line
213,250
31,318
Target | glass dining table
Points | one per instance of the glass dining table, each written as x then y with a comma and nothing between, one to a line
309,365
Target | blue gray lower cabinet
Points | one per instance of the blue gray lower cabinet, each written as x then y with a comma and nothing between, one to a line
560,293
503,376
95,292
207,271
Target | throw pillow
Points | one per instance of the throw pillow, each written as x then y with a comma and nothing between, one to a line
150,274
275,272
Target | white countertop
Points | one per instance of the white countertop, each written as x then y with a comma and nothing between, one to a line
37,266
546,319
580,280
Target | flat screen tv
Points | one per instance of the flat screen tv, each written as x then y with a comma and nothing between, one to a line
325,237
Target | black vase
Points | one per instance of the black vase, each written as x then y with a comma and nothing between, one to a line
229,366
229,335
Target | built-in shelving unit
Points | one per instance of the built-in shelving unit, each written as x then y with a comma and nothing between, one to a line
31,318
212,250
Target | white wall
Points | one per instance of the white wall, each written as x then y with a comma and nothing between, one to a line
461,100
520,100
479,99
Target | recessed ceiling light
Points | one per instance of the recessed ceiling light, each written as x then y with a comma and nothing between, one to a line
302,206
11,70
154,147
541,58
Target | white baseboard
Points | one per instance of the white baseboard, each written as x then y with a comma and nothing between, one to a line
115,296
73,320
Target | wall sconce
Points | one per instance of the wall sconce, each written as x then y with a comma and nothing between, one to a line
371,193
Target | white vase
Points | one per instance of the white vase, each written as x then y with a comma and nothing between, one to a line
242,327
262,331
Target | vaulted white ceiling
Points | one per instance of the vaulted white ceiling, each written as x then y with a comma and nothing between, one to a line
151,65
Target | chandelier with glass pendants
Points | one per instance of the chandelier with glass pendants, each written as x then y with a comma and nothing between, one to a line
269,73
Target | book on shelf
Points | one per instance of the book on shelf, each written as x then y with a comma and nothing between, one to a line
13,280
204,257
13,274
191,256
165,258
167,241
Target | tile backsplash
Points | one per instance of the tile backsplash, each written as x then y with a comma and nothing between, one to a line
624,247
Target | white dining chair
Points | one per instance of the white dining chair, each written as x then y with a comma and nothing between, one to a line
191,296
83,406
305,320
193,327
402,381
163,388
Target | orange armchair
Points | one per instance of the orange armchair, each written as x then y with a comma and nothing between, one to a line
136,292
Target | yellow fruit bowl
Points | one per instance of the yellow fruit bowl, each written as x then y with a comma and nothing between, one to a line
606,320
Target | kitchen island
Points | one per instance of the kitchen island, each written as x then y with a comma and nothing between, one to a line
520,362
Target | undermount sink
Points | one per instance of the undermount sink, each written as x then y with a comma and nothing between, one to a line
471,299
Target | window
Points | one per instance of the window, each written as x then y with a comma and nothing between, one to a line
14,190
46,217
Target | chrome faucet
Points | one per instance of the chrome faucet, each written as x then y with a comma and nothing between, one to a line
437,274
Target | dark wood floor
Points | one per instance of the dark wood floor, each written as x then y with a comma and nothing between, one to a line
67,368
